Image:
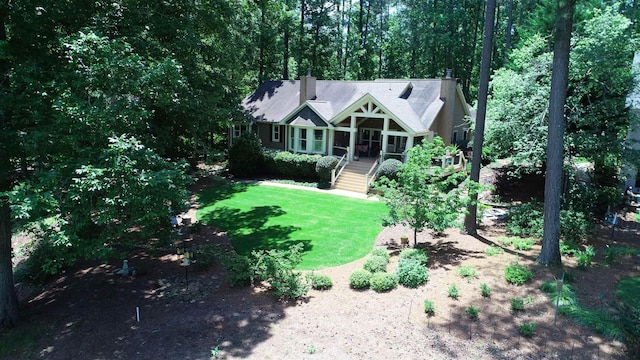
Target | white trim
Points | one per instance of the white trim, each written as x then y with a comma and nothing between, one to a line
298,144
275,133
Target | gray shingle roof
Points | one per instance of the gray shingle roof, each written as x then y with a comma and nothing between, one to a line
415,102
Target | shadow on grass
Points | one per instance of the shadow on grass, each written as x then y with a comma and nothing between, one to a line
222,191
248,230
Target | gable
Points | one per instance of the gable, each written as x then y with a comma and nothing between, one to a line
305,116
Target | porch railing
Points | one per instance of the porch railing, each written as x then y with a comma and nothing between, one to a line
337,170
371,175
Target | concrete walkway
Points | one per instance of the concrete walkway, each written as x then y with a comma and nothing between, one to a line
326,191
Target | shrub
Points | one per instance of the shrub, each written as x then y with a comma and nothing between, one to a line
375,264
382,281
412,273
453,291
277,268
360,279
493,250
429,307
525,220
518,242
611,253
472,312
526,329
389,169
320,281
381,251
585,257
239,272
324,166
568,248
417,254
574,225
517,304
517,274
290,165
485,290
468,272
246,156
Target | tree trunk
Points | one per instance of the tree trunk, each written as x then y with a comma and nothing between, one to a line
478,134
550,252
507,45
8,298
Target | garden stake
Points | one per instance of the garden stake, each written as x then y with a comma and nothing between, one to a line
137,313
410,305
450,321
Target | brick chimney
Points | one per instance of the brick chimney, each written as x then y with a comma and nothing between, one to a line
307,87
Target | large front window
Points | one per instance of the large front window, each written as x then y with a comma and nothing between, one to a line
307,140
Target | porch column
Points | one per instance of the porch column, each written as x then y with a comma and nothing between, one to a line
352,137
409,142
385,136
332,137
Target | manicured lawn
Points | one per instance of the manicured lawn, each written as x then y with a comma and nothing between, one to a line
628,291
335,230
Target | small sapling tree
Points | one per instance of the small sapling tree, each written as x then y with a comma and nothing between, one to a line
424,196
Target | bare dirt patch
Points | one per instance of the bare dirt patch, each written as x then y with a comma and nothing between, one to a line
90,313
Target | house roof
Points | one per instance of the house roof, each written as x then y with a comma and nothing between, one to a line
415,102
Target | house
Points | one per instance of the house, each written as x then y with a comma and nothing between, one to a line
356,118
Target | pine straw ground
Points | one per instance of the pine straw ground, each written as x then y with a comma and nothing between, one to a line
90,313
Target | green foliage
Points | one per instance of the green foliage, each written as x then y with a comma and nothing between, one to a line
382,281
324,166
414,254
568,248
485,290
360,279
468,272
472,312
277,268
517,304
389,169
453,291
239,269
292,166
627,290
246,157
585,257
381,251
517,274
600,77
376,264
526,329
429,307
612,253
517,242
21,341
526,220
423,197
319,281
493,250
411,273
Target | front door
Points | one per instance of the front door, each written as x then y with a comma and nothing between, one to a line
370,138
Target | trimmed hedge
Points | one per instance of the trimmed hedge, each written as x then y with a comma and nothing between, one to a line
290,165
389,169
324,167
381,282
246,156
360,279
411,273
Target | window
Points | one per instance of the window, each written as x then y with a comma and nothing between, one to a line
275,133
318,141
454,139
464,135
238,130
307,140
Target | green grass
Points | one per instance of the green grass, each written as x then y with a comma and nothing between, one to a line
334,230
20,341
628,290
